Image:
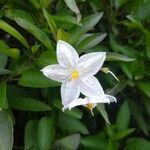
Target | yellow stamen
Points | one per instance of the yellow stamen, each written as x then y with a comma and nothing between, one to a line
90,106
75,75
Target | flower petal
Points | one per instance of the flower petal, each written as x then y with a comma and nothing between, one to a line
66,55
111,98
76,102
90,100
69,91
56,72
91,63
100,99
90,86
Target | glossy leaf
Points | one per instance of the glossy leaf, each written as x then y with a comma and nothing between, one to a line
75,112
70,142
138,116
46,58
18,13
4,71
122,134
110,56
103,112
35,78
137,144
65,19
12,52
34,30
94,142
30,137
123,117
12,31
45,133
73,6
51,22
28,104
90,42
6,131
75,125
87,24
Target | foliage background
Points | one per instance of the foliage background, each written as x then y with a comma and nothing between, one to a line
31,116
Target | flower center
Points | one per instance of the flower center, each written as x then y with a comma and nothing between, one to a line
90,106
75,75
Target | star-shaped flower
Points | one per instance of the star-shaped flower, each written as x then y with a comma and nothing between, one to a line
76,74
90,102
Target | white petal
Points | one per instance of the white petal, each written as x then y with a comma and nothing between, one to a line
76,102
91,63
90,86
111,98
69,91
56,72
66,55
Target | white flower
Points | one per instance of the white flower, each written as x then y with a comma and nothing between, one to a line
90,102
76,74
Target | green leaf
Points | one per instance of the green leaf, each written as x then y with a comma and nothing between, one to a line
46,58
144,87
45,3
18,13
143,11
6,131
120,3
90,42
87,24
73,6
12,52
136,143
75,112
122,134
28,104
136,22
51,23
110,56
3,60
62,35
123,117
94,142
138,116
112,145
35,31
103,112
71,124
12,31
69,143
35,3
45,133
34,78
4,71
2,93
128,69
65,19
117,88
128,51
30,137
